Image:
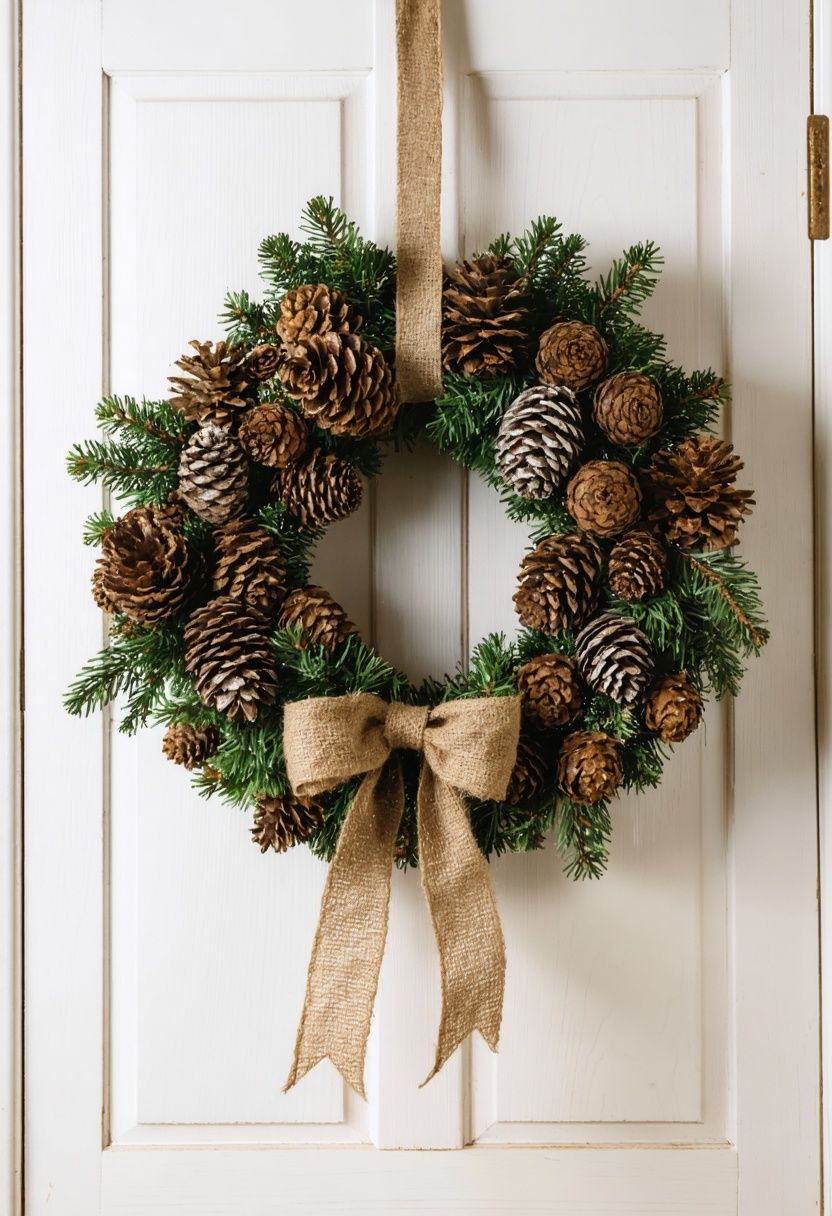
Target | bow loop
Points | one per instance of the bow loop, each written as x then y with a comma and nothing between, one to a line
472,744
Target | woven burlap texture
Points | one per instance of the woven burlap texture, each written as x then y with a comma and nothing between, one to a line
418,188
467,747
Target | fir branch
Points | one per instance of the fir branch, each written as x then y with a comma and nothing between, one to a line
756,633
583,836
247,321
122,468
296,544
631,280
137,663
96,526
157,420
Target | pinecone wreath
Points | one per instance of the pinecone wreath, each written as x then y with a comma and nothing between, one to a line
539,440
283,821
248,566
693,493
615,657
319,490
484,318
323,622
213,475
190,745
229,655
559,584
342,383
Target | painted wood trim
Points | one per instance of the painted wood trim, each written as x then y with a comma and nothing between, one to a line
11,1198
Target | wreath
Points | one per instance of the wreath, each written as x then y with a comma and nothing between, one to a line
632,603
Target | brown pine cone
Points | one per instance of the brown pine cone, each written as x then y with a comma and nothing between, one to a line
189,745
674,708
321,489
213,475
571,353
229,655
263,361
693,494
215,383
99,593
274,435
483,317
615,657
628,408
323,621
551,689
604,497
638,566
283,820
248,566
540,438
146,569
559,583
590,768
344,384
533,774
314,309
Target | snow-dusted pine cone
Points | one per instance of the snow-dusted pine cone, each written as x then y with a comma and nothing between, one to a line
615,657
213,475
539,441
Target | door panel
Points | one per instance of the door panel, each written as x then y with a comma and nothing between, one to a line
641,1012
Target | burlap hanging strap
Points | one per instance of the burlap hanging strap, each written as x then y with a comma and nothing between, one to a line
467,746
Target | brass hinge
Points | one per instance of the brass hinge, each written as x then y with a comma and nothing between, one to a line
818,143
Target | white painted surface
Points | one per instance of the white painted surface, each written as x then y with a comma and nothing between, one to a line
674,1003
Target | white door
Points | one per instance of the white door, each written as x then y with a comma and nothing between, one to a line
660,1042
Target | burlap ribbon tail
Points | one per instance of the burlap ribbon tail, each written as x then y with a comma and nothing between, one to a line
467,746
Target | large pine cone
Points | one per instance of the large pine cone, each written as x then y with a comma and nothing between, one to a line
323,621
284,820
248,566
533,774
190,745
145,569
604,497
273,435
673,709
559,584
693,493
229,655
263,361
213,475
314,309
321,489
615,657
344,384
638,566
590,768
539,441
214,386
571,354
483,317
551,689
628,408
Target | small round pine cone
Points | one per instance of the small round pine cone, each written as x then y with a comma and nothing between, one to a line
637,566
559,583
314,309
319,489
693,495
213,475
604,497
342,383
551,689
322,620
146,569
590,768
283,820
628,408
189,745
674,708
534,768
615,657
248,566
274,435
263,361
540,438
571,353
215,386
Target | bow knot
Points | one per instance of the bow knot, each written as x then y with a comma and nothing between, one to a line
468,747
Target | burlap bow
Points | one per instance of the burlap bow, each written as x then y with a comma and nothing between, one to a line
467,746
